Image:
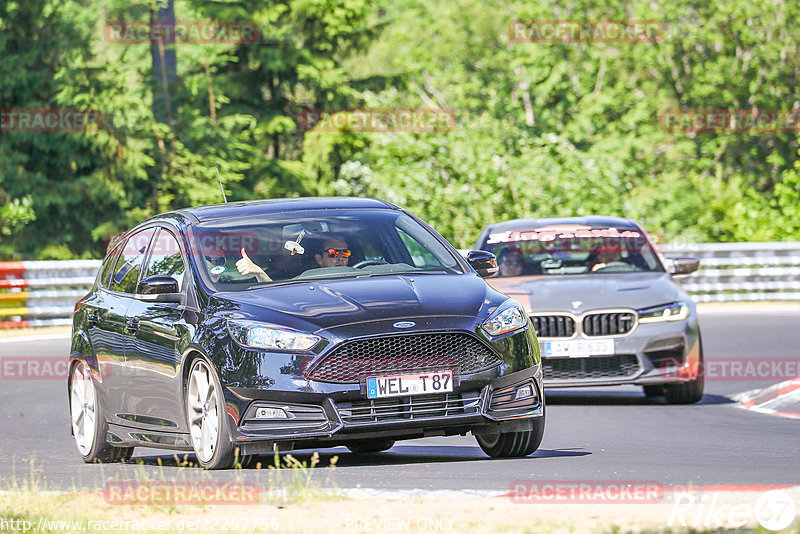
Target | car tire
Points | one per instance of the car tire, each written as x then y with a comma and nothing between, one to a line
688,392
370,445
513,444
89,425
653,391
207,418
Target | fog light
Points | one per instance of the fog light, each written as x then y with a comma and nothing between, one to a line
523,393
271,413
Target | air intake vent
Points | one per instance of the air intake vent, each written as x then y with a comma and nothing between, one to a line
620,365
406,408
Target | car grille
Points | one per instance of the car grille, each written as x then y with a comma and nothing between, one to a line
553,325
354,360
608,324
408,408
619,365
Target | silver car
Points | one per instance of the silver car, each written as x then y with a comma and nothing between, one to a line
606,309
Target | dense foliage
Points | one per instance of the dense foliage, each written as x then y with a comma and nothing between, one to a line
540,129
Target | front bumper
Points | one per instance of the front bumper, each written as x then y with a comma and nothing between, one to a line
330,420
652,354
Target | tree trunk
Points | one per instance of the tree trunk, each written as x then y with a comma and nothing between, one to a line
165,61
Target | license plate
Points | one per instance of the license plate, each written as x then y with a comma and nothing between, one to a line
404,385
578,348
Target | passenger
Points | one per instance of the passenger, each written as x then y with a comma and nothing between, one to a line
215,265
246,266
284,265
334,253
510,262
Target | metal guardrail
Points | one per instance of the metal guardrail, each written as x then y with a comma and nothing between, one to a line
42,293
741,272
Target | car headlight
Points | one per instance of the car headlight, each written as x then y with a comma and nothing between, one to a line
677,311
508,317
256,335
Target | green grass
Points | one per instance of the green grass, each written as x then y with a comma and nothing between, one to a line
25,504
300,485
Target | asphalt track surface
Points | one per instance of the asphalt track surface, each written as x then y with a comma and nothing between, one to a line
603,434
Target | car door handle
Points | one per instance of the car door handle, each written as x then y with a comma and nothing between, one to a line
132,325
93,318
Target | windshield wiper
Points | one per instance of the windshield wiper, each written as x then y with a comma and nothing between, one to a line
402,273
276,284
343,276
305,279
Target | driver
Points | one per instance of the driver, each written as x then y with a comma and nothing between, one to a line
334,253
510,262
606,254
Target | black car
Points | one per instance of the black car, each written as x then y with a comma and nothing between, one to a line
241,329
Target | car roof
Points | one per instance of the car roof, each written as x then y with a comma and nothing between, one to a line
591,221
276,205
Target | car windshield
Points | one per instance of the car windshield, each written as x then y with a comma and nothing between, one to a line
572,249
288,247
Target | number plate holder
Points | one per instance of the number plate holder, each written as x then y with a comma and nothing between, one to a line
578,348
405,385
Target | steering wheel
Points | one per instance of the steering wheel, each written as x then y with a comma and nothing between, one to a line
616,266
365,263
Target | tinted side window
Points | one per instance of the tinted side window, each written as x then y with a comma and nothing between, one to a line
126,274
108,266
421,245
418,253
165,257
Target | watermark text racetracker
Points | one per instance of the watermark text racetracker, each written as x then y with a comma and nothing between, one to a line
695,507
181,32
740,369
586,31
730,121
585,491
180,493
50,120
207,243
378,120
43,368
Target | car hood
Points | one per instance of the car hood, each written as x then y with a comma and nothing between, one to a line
330,303
579,293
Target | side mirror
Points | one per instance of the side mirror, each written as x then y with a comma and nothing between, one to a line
484,263
160,288
683,265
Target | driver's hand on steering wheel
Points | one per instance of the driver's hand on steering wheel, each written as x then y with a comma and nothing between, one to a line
246,266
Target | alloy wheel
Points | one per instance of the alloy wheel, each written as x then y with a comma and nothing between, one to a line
83,403
203,403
